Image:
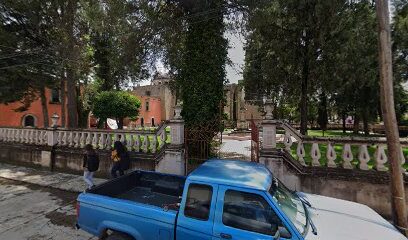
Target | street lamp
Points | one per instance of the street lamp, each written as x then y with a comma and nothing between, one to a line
54,120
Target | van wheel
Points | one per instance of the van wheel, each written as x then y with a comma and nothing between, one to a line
119,236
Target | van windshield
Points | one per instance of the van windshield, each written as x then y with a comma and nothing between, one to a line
290,204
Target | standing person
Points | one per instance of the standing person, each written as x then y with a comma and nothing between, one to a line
120,159
90,165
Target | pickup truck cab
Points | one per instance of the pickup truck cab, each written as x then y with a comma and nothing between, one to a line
221,199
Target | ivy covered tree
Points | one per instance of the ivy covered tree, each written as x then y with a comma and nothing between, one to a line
117,105
201,74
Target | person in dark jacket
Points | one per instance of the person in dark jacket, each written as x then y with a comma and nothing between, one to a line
90,164
120,158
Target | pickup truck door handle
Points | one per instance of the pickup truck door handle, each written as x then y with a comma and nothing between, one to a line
225,236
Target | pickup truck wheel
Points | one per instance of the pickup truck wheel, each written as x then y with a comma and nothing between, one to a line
119,236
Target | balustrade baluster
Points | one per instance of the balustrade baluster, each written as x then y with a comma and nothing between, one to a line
16,135
59,138
40,137
31,137
7,135
27,136
137,143
287,141
145,143
363,157
17,139
153,144
71,139
102,141
82,140
88,138
131,143
116,137
1,134
331,156
108,141
300,152
162,138
21,137
315,154
380,158
64,138
77,137
36,136
95,140
11,136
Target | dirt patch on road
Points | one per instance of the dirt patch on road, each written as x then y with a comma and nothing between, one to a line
62,219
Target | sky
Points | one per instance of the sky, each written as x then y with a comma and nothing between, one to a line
236,54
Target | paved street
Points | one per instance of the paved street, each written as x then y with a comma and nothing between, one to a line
33,212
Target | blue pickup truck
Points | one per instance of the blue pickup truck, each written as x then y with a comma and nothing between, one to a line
221,199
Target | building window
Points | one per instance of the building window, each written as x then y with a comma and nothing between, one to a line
55,95
142,122
147,106
153,125
148,93
29,121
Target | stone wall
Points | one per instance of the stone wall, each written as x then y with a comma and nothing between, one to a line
65,159
370,188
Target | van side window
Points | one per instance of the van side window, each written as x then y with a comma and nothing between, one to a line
249,212
198,201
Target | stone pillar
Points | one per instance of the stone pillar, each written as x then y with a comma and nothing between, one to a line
47,155
173,161
270,156
269,128
52,137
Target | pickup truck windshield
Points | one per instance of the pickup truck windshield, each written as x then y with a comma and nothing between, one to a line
290,204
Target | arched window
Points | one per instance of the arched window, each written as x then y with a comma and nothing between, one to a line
142,122
29,121
153,122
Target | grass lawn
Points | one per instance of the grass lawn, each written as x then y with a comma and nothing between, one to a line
338,133
339,149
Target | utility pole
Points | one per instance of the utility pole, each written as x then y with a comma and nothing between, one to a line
390,121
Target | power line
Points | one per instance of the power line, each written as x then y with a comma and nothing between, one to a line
203,13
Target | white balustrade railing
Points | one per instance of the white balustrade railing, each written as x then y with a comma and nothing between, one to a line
24,135
138,141
335,152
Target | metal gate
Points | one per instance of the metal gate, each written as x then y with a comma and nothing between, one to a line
201,142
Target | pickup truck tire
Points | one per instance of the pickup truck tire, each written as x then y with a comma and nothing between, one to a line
119,236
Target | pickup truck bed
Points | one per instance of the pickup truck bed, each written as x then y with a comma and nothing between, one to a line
144,187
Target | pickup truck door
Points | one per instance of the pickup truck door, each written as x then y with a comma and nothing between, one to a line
243,214
196,216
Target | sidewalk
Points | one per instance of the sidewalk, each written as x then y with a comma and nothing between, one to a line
62,181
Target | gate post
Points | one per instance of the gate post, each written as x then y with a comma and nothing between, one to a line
269,128
173,160
269,155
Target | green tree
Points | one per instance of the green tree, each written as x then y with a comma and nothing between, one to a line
201,75
284,49
29,63
400,52
117,105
